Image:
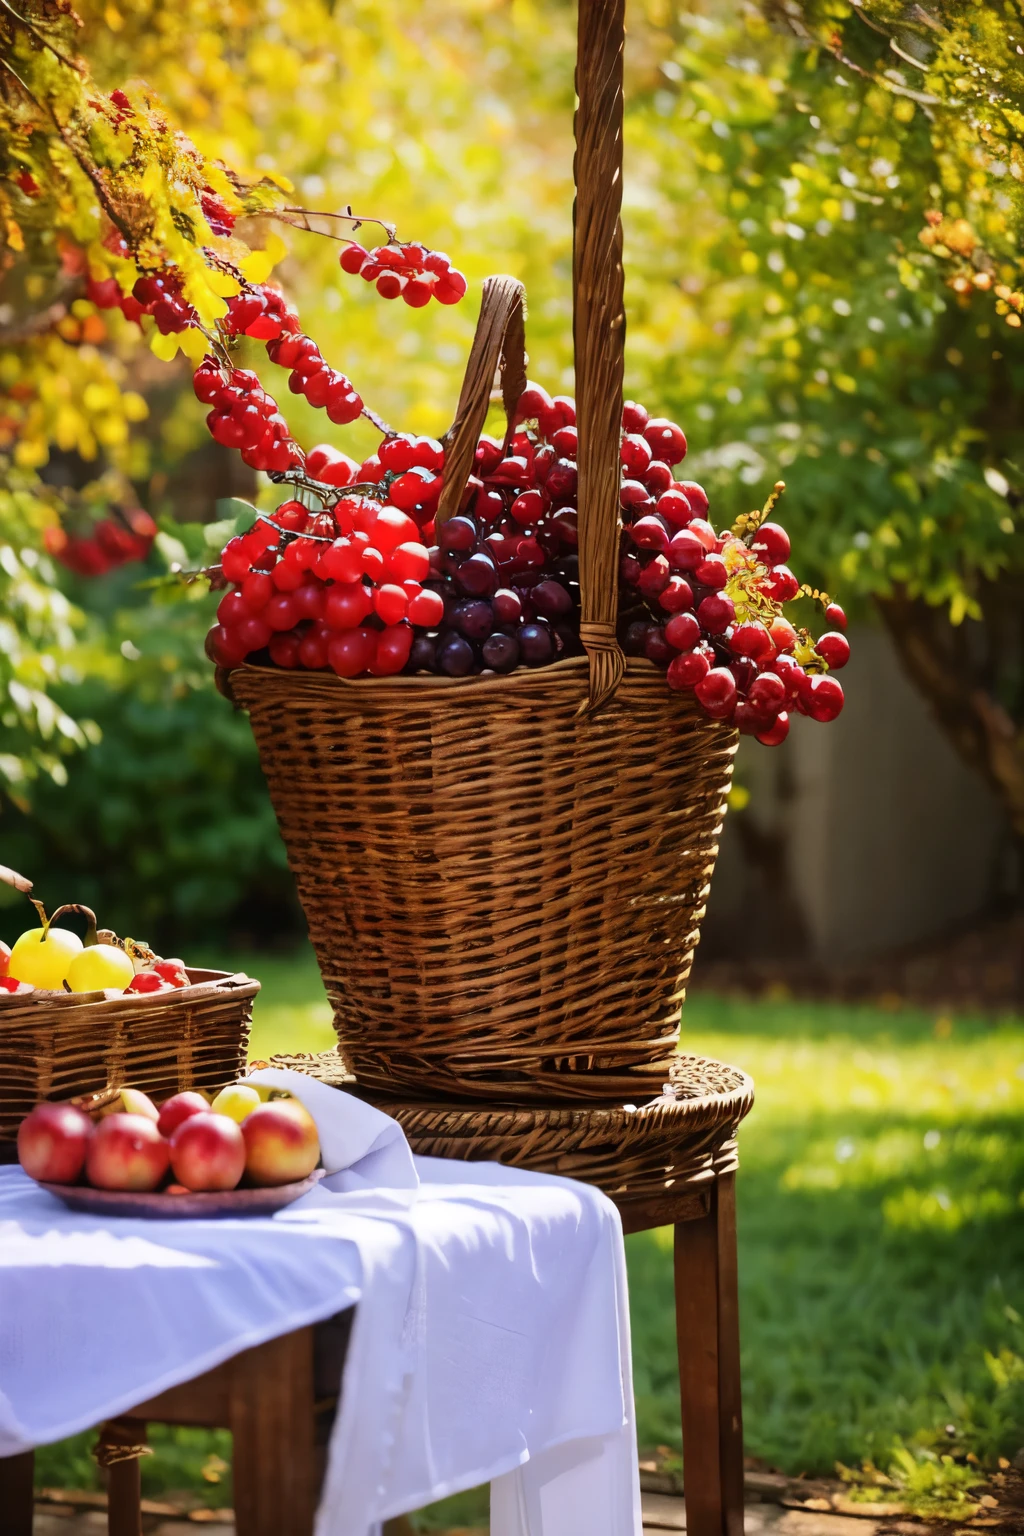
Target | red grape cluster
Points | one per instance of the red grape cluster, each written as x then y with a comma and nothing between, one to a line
413,272
370,585
709,605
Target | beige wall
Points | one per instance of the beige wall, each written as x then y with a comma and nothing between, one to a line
889,838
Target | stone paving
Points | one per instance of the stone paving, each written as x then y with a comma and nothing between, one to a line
662,1513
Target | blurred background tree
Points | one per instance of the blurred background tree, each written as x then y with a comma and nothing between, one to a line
822,268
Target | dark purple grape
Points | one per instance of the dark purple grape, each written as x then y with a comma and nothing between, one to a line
507,605
564,524
569,565
436,554
478,576
635,638
455,656
561,479
500,652
472,617
656,647
567,639
551,599
458,533
536,644
451,562
423,656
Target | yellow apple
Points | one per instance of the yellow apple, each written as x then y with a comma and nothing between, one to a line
100,966
43,957
237,1101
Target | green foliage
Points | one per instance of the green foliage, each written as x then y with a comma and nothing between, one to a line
164,826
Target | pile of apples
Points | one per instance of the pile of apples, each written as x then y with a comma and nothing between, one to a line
259,1136
57,960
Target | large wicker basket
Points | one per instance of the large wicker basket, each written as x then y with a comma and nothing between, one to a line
504,876
57,1046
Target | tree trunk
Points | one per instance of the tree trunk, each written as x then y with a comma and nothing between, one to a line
972,676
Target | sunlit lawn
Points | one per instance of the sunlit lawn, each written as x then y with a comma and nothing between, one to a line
881,1228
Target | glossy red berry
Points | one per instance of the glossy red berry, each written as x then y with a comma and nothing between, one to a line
771,544
687,670
716,693
716,613
776,733
835,615
682,631
666,440
833,648
822,699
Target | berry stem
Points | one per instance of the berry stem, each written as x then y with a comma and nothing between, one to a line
355,219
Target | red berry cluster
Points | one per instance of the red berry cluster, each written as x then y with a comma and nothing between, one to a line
339,588
413,272
111,543
105,293
245,417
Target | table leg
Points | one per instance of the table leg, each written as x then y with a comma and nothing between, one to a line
124,1492
273,1428
17,1474
707,1330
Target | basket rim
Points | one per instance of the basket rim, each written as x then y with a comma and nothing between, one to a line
568,667
237,982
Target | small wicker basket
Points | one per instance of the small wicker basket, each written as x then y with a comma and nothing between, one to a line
504,877
57,1045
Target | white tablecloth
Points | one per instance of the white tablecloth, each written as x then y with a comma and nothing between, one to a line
490,1341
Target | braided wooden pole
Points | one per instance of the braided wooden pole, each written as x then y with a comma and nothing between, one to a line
599,328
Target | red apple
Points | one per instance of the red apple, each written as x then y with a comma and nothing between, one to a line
126,1152
208,1152
281,1143
53,1141
174,1111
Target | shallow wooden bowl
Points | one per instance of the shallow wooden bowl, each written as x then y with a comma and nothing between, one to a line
157,1205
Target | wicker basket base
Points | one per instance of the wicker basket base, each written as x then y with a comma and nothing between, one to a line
684,1138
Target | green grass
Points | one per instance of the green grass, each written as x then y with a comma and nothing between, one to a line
881,1233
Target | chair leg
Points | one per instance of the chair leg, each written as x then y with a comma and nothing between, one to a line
17,1476
274,1430
707,1330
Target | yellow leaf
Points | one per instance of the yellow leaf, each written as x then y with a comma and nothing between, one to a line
222,283
164,347
15,238
194,344
257,266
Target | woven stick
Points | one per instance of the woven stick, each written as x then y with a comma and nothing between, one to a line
599,326
11,877
499,341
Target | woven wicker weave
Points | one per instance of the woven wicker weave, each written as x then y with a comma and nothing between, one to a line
504,896
56,1046
504,876
685,1137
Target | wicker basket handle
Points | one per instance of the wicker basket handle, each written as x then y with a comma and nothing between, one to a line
500,342
599,330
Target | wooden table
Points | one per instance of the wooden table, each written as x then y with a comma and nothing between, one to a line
675,1167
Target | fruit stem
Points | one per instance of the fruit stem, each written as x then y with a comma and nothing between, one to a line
74,906
43,919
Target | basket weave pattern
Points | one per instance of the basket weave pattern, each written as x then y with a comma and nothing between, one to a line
55,1046
504,897
684,1138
